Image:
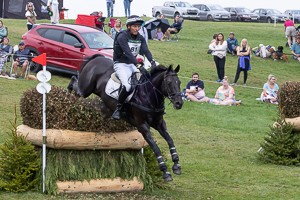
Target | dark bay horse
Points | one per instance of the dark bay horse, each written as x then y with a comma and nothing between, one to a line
146,107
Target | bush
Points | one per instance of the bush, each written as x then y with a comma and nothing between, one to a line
289,99
67,111
19,163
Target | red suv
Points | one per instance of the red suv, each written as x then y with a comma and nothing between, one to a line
67,45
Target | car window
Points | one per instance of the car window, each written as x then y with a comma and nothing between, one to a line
256,11
215,7
98,40
70,39
51,34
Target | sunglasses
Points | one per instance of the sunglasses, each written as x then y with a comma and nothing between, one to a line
29,6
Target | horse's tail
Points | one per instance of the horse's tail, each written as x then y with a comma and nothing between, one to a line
88,60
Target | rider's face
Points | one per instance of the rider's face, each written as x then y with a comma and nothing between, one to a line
134,29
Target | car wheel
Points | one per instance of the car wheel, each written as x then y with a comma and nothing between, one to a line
269,20
157,14
209,18
34,67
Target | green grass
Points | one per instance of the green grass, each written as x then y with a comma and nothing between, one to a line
217,145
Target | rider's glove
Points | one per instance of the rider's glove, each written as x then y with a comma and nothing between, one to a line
143,70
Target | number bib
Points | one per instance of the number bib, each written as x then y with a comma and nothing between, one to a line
134,46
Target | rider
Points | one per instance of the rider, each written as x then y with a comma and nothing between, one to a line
127,45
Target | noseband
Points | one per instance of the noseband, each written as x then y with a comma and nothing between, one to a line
171,96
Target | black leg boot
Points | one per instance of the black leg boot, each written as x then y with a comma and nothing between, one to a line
122,97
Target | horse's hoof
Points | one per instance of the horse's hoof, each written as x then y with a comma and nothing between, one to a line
167,177
176,169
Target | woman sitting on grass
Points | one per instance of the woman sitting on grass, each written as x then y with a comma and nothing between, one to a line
224,95
270,90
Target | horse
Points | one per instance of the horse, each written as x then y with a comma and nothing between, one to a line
146,107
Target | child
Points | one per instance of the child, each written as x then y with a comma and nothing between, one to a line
159,34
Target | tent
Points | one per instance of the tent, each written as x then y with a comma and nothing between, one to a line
16,8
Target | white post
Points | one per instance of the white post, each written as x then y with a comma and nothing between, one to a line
43,87
44,132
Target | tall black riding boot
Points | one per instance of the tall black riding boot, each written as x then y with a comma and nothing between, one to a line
122,97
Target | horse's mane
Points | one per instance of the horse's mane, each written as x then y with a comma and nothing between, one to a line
158,69
88,60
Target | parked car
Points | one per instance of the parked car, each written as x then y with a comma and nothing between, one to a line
173,8
293,14
269,15
241,14
67,45
212,12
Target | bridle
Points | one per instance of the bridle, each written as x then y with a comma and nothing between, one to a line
171,96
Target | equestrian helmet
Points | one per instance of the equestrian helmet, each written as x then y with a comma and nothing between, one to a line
134,19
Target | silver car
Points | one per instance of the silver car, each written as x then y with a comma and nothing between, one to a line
294,14
212,12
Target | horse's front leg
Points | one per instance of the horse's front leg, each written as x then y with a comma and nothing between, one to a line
73,85
145,130
161,127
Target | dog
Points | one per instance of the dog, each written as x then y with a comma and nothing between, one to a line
278,55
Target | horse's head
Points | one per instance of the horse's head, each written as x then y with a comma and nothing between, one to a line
171,86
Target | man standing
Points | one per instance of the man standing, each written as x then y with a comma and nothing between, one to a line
53,6
110,7
296,49
195,90
127,4
127,45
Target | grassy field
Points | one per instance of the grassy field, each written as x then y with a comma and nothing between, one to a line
217,145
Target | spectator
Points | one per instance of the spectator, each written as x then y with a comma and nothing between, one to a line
218,49
174,28
195,90
20,59
116,29
290,31
5,51
232,43
53,7
224,95
161,16
30,15
110,7
3,31
99,21
270,90
127,4
296,49
215,36
159,34
143,31
243,52
263,51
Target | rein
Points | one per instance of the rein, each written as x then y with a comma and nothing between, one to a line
170,95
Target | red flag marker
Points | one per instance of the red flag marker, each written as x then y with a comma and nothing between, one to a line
41,59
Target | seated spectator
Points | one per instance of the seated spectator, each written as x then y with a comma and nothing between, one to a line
174,28
232,43
5,51
20,59
270,90
195,90
99,21
116,29
296,49
3,31
159,34
224,95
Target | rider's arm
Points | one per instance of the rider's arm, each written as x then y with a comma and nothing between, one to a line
145,50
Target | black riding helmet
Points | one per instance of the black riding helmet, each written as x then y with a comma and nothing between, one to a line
134,19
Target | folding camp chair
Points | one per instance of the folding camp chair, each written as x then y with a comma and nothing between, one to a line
175,35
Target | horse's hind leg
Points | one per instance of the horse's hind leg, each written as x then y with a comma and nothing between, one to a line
162,129
144,129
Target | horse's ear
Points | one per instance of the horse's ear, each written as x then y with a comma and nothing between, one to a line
170,68
177,69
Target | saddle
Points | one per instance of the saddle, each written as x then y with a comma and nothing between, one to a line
113,85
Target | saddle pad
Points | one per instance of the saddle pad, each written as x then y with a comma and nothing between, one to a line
112,90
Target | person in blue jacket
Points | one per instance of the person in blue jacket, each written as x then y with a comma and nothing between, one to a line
232,44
